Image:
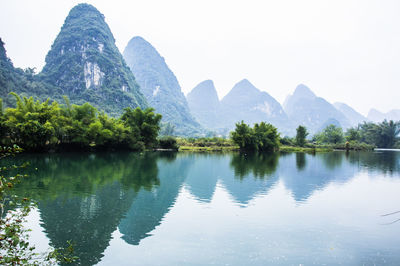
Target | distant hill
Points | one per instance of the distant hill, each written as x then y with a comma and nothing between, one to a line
87,66
377,116
304,108
246,102
352,115
160,86
204,104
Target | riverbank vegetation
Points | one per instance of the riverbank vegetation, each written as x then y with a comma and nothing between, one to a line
206,144
51,126
45,126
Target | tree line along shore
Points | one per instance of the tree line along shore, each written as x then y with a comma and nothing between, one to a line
42,126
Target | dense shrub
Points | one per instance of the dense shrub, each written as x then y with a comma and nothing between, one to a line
168,143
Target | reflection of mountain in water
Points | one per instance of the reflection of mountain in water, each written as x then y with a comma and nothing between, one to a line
83,197
150,206
302,174
252,174
87,221
204,173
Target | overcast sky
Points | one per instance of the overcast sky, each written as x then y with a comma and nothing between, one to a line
347,51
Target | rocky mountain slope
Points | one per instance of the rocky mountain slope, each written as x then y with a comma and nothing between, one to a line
160,86
23,82
87,66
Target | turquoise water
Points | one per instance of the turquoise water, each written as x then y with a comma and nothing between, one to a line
218,209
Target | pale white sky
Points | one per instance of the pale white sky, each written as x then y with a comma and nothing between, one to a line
344,50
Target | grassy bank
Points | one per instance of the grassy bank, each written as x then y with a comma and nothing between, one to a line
221,144
206,144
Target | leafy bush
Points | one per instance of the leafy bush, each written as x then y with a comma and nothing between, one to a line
41,126
263,137
331,134
168,143
301,136
287,141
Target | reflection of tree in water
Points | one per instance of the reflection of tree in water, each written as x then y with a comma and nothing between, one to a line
76,174
300,160
83,197
149,207
261,165
253,175
386,162
203,174
333,160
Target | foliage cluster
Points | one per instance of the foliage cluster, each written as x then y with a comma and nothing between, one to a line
331,134
382,135
41,126
206,144
262,137
168,142
301,134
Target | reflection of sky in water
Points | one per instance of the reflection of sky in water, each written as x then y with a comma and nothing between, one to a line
234,209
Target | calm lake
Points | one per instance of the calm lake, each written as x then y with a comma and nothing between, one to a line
218,209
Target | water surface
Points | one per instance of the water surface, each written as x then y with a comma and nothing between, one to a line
218,209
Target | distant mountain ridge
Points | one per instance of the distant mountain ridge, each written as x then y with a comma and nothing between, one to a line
304,108
352,115
160,86
377,116
244,102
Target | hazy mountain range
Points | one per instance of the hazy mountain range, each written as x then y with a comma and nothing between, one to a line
246,102
85,65
376,116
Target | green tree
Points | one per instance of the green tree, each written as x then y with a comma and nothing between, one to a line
243,136
266,136
263,137
301,134
144,125
384,135
331,134
353,134
389,131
